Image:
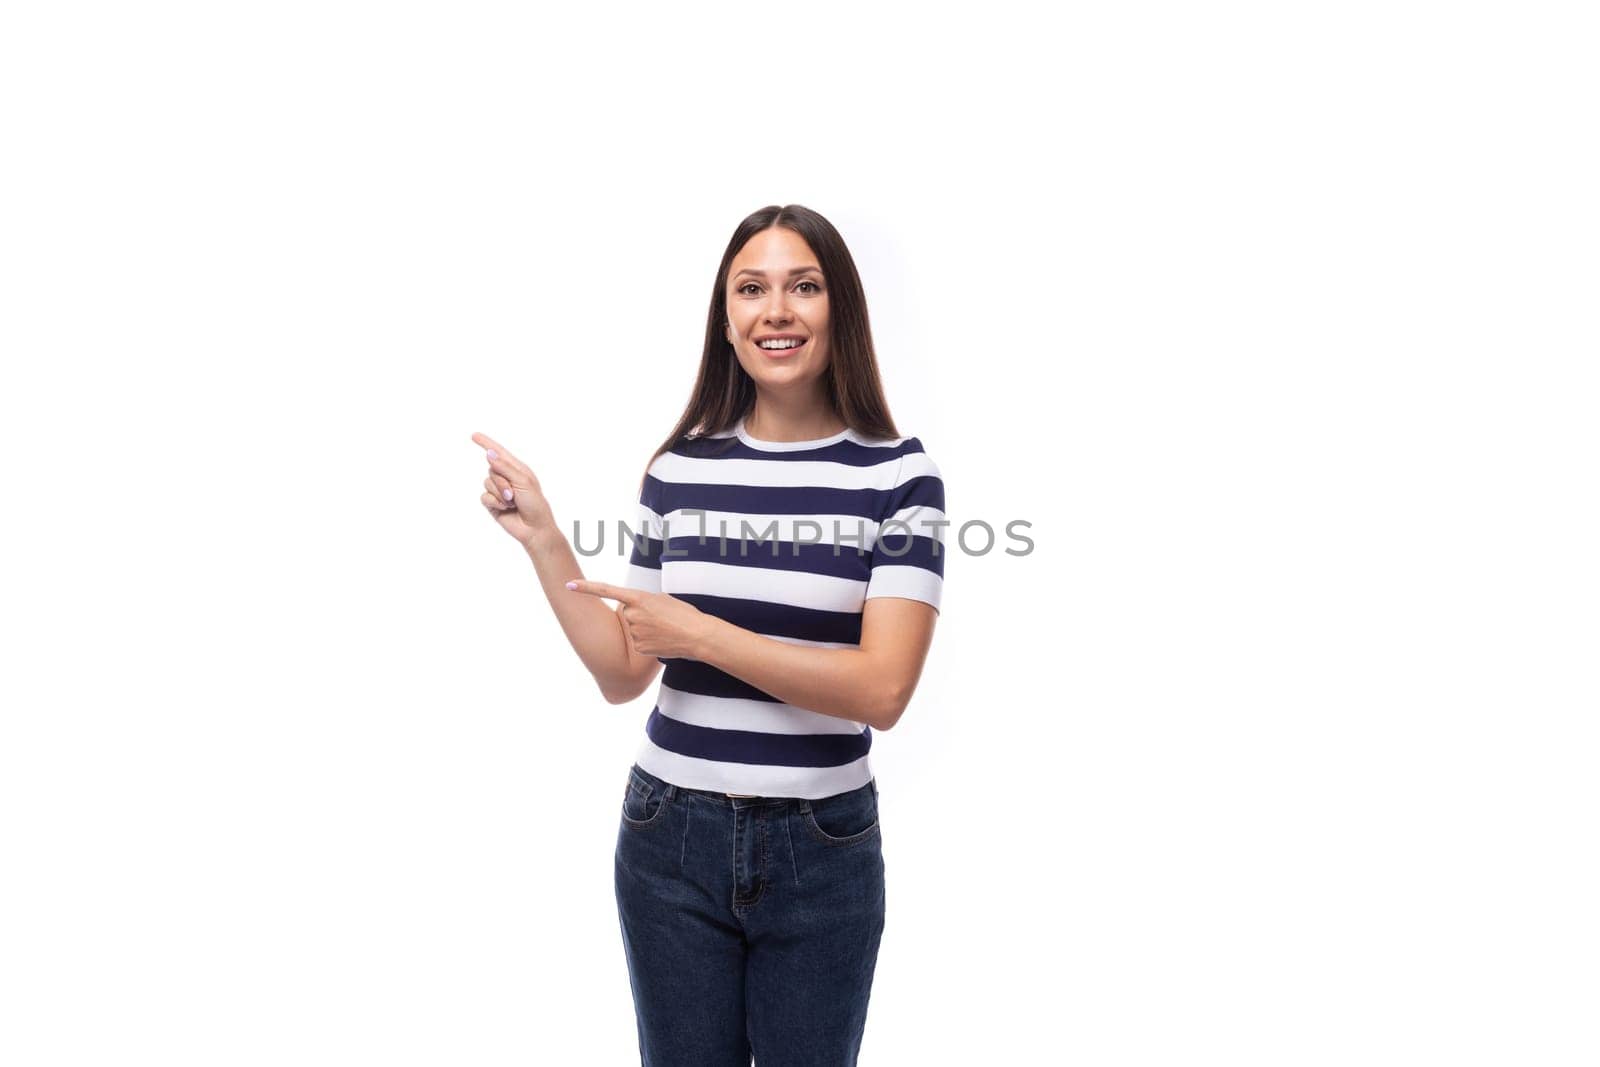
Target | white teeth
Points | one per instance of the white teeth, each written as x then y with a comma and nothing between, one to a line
778,344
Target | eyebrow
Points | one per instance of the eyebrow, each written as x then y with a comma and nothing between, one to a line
763,274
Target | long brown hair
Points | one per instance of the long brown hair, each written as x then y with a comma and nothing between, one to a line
724,393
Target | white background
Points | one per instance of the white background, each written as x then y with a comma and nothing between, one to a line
1276,321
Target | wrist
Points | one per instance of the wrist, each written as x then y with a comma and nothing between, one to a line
542,538
704,643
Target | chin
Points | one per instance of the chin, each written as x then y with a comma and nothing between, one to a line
784,375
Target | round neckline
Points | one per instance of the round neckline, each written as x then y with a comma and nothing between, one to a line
786,446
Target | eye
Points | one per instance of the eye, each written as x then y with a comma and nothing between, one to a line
815,288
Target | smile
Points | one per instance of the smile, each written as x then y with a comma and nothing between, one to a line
780,353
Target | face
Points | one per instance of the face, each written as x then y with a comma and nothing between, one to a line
776,289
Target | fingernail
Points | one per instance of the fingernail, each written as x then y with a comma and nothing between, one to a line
506,493
572,585
493,454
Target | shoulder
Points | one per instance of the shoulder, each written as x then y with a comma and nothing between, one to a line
915,460
889,448
918,481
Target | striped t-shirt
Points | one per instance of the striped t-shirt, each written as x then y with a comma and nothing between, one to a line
791,549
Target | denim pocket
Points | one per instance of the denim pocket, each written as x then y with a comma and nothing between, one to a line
642,804
844,818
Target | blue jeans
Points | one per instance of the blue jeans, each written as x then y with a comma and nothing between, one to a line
751,924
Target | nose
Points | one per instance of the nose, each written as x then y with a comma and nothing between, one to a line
777,309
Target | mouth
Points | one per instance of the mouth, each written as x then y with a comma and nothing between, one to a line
794,345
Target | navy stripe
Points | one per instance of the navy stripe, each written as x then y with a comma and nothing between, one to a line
898,550
925,490
702,679
780,620
646,552
765,500
750,746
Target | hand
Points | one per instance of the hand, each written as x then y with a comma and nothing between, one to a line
512,494
657,624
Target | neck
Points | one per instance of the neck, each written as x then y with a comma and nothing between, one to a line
776,420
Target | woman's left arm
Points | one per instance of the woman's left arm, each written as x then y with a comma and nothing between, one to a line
870,684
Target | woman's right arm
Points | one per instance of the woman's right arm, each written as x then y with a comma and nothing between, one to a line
595,631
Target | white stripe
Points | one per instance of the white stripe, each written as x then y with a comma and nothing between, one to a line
645,578
800,589
761,779
916,583
735,713
775,473
915,465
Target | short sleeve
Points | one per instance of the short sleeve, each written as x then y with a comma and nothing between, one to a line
644,539
908,552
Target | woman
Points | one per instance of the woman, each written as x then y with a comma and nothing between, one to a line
788,574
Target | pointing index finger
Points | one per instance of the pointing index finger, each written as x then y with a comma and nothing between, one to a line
610,592
483,440
503,456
